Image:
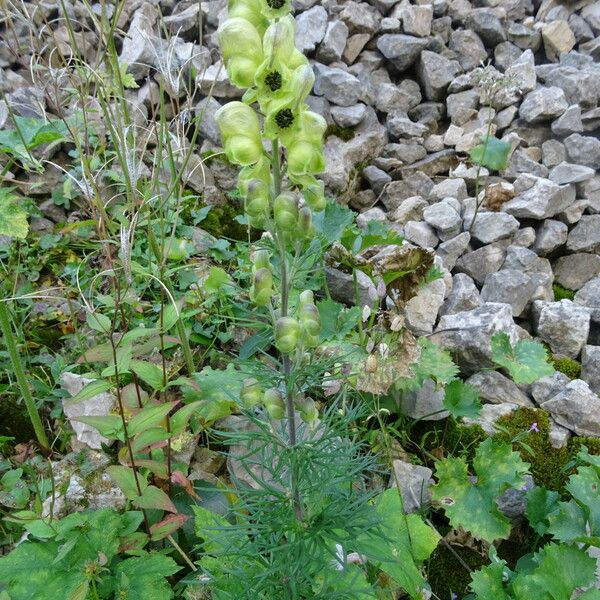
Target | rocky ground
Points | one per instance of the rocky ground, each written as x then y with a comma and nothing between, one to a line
408,88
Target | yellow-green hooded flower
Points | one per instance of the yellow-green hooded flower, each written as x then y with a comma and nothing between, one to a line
251,10
283,110
240,133
274,9
241,46
305,149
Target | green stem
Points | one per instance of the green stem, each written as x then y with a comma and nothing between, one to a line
15,359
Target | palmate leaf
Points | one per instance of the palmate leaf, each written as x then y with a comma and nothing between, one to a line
492,153
406,543
472,505
526,362
487,583
541,503
145,577
332,221
13,216
461,399
434,363
337,321
561,569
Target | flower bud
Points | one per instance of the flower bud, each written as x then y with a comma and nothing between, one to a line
306,297
314,194
310,320
308,410
241,46
251,393
257,200
251,11
285,211
262,287
274,403
304,158
260,260
240,133
287,333
305,225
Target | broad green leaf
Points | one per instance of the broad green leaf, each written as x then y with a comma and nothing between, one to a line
124,356
540,504
153,497
487,583
526,362
434,363
492,153
560,570
110,426
98,322
217,278
150,416
337,321
180,419
331,222
98,386
125,478
149,373
472,505
461,399
149,437
13,216
405,543
171,314
375,233
145,577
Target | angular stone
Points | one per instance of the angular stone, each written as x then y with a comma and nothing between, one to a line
585,236
453,249
341,287
421,311
553,153
354,46
435,73
310,28
138,51
360,17
421,234
543,389
469,48
569,122
564,325
410,209
538,198
463,296
510,287
416,20
495,388
414,482
334,42
349,116
337,85
577,408
445,218
426,403
558,38
489,414
450,188
550,236
402,50
575,270
493,226
569,173
487,25
479,263
543,104
467,334
589,296
590,367
583,150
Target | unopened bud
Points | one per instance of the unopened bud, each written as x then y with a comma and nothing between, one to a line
274,403
285,211
262,287
287,332
251,393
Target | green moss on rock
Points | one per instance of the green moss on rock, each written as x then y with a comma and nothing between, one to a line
571,368
344,133
547,463
562,293
445,573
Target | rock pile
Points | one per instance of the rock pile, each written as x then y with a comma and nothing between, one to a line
408,88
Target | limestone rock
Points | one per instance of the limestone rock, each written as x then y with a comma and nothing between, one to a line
414,482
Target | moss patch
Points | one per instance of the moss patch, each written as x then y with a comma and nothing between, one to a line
445,573
344,133
221,222
547,463
571,368
562,293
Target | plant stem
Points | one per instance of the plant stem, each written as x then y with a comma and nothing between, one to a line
17,365
287,366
